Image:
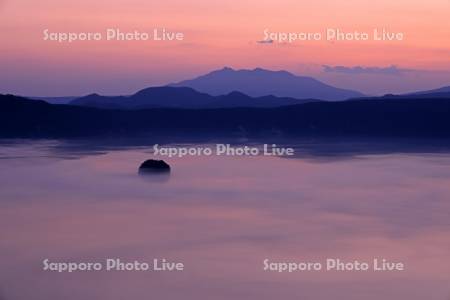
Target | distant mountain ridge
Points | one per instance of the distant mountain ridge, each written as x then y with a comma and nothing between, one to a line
260,82
440,93
441,90
424,95
55,100
181,97
184,97
199,91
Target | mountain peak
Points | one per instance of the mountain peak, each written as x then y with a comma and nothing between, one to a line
90,96
260,82
237,94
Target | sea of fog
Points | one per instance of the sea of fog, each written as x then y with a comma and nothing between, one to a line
75,201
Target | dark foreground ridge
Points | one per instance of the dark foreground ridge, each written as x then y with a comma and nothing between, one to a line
23,118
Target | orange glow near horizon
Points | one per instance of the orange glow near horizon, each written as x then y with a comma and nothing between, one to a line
217,33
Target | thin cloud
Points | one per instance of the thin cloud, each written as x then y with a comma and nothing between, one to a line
391,70
265,42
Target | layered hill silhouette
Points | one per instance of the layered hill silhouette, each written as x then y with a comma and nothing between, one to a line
24,118
260,82
439,91
444,95
188,98
55,100
181,97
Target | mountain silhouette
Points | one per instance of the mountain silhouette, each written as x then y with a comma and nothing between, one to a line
443,90
260,82
24,118
180,97
147,98
441,93
55,100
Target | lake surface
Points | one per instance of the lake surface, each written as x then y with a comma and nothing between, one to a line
221,217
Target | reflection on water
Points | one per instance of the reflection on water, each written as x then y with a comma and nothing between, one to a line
222,216
155,177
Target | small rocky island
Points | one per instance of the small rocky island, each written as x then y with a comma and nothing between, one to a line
154,166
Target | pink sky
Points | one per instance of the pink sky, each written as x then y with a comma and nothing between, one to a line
218,33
